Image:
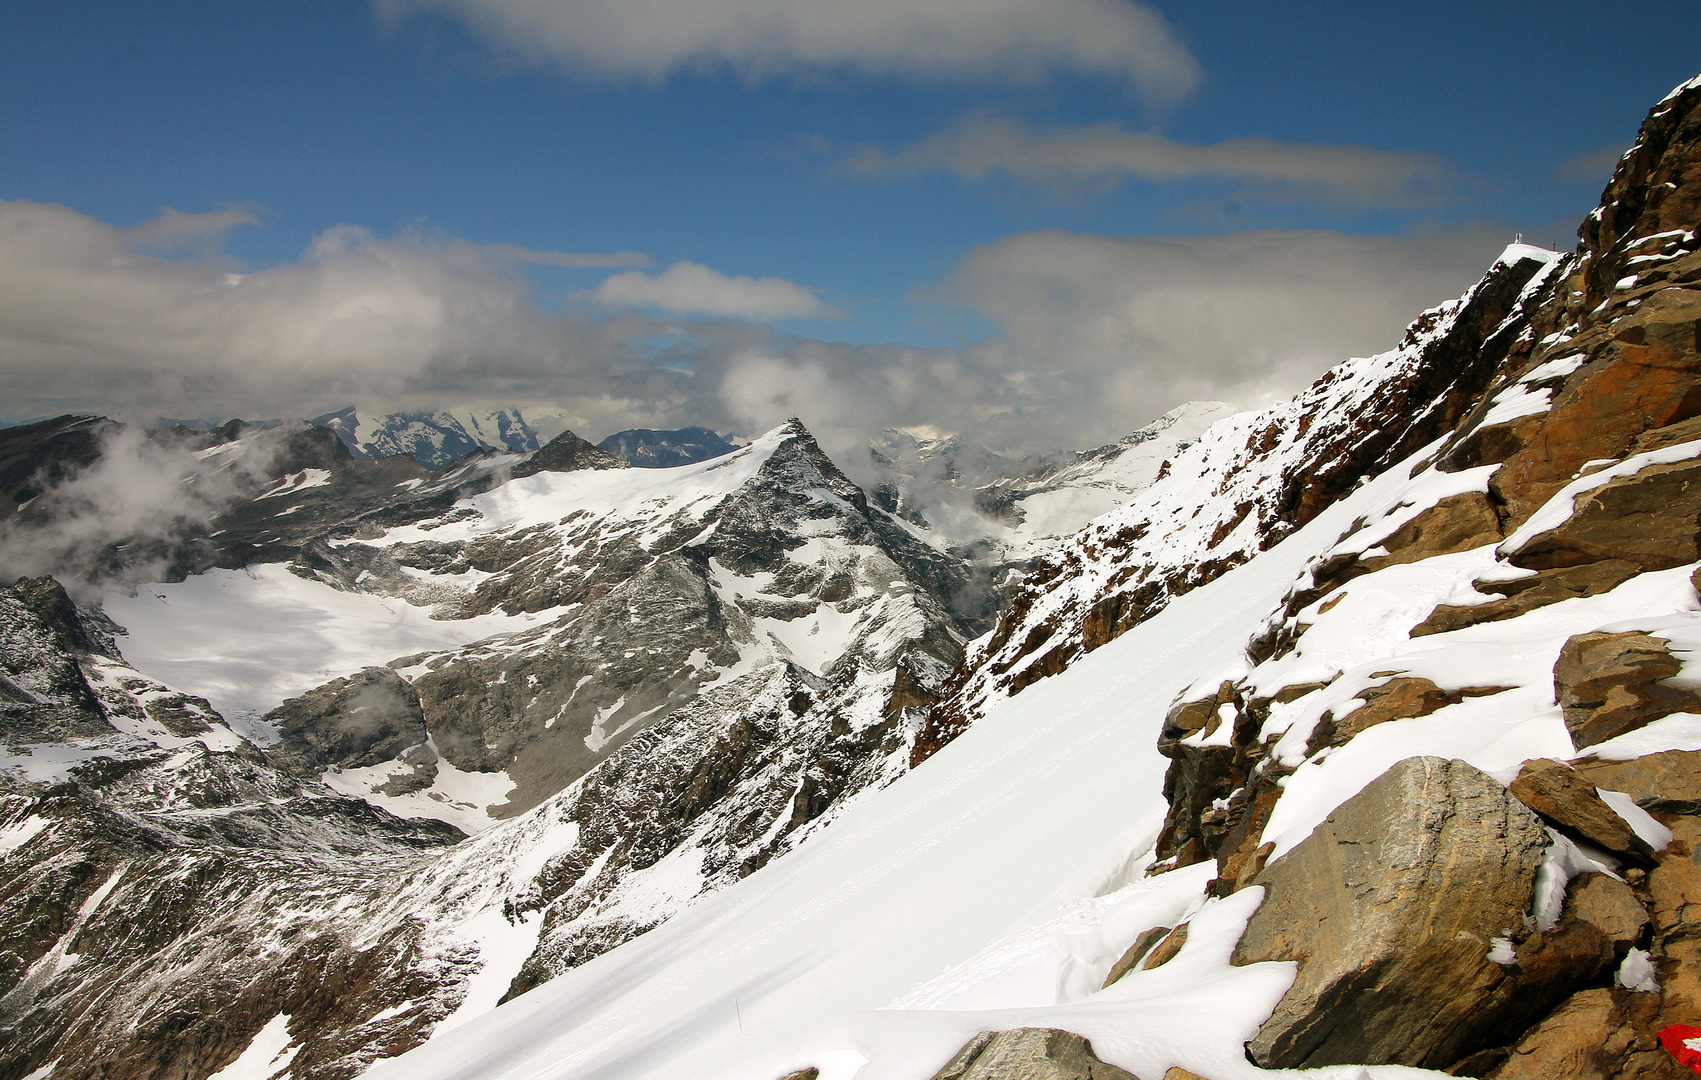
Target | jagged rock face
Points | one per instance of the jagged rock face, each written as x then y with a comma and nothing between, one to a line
34,457
246,893
1253,478
353,931
1522,559
367,718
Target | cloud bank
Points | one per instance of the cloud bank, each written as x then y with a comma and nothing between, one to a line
1095,335
929,39
689,288
1102,154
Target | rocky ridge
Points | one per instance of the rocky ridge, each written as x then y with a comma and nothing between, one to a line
1518,589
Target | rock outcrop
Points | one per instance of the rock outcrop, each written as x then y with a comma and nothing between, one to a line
1391,908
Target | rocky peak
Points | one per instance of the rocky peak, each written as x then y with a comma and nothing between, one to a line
567,453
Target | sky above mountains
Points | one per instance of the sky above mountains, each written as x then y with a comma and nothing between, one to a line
1043,221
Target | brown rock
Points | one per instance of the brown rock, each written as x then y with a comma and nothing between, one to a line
1527,594
1674,894
1166,949
1648,520
810,1073
1136,952
1399,698
1589,1037
1601,921
1389,907
1176,1072
1609,684
1029,1054
1564,797
1456,523
1645,377
1667,782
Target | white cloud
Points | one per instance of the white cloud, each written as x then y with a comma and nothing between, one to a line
951,39
88,319
1095,335
1101,334
1105,153
689,288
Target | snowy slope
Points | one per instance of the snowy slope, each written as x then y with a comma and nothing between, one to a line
1382,527
1039,820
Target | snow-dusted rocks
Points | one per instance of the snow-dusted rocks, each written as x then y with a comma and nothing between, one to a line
434,438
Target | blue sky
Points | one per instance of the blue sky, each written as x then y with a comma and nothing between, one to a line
956,197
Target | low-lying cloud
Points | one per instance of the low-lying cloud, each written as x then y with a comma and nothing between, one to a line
1106,154
1095,335
116,521
930,39
688,288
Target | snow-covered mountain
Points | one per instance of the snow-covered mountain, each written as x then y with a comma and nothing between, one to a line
1009,509
1359,736
650,449
434,438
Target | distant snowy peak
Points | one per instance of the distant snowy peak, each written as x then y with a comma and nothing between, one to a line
432,438
650,449
963,492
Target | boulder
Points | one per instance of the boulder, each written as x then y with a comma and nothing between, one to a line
1564,797
1389,908
1593,1035
1029,1054
1674,893
1524,595
1609,684
1648,519
1456,523
1400,698
1668,782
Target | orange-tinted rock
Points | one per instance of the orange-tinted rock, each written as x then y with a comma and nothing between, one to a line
1667,782
1593,1035
1166,949
1456,523
1399,698
1609,684
1565,798
1648,520
1136,952
1524,595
